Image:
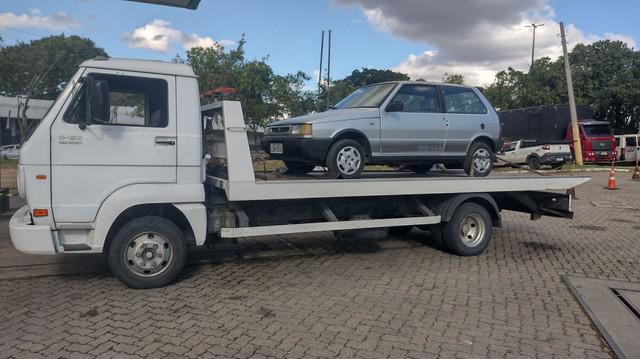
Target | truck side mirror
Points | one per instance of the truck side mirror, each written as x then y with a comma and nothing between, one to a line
395,106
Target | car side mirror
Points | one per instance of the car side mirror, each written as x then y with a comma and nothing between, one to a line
395,106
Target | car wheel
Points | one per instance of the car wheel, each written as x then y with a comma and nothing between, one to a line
298,168
479,161
468,232
346,159
533,162
422,168
147,252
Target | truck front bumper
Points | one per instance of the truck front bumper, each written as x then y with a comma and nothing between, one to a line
30,238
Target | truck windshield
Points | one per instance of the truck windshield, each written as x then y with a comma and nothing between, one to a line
369,96
597,130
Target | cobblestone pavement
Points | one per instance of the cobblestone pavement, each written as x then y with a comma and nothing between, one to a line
394,298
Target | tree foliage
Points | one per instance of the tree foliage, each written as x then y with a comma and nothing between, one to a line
22,62
264,95
452,78
606,74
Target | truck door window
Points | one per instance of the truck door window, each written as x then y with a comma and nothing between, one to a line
417,98
133,101
631,142
462,100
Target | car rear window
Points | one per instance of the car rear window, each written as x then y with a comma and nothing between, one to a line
462,100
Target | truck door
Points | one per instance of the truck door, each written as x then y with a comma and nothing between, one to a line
130,139
412,123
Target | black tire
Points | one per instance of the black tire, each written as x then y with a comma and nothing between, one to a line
128,256
421,168
471,221
400,231
346,159
533,162
298,168
474,163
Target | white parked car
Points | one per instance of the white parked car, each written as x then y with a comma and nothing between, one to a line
10,152
627,147
535,155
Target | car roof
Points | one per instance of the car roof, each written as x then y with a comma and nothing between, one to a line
432,83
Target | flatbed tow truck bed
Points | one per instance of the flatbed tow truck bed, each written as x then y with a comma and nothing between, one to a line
296,204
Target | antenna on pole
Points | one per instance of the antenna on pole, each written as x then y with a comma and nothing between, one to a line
329,70
320,70
533,47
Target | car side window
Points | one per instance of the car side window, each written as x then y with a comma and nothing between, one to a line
462,100
418,98
133,101
631,142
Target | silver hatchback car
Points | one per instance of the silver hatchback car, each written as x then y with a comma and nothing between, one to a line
407,123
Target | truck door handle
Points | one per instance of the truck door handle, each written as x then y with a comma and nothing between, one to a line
167,141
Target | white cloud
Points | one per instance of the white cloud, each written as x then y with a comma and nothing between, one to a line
158,35
476,38
34,19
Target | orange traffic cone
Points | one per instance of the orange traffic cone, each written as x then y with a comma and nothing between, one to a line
636,174
612,179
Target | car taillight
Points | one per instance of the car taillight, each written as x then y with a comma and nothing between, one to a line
546,147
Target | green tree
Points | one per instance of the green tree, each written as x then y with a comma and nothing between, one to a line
264,95
21,63
452,78
606,75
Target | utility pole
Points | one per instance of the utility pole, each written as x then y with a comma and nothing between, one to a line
533,47
575,131
328,70
320,70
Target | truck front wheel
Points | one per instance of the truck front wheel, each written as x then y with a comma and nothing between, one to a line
147,252
468,232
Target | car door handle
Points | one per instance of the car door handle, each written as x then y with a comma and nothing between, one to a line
167,141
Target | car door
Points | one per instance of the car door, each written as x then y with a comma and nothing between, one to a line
466,117
413,124
631,148
133,142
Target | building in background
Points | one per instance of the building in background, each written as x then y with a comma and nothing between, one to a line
9,127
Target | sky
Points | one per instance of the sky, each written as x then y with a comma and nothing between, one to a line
423,38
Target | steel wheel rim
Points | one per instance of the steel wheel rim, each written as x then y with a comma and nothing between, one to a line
481,160
472,230
348,160
148,254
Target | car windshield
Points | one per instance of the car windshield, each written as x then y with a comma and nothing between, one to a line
597,130
369,96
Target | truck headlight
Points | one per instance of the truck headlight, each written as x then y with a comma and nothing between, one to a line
304,129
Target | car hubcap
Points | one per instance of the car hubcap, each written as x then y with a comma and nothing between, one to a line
348,160
472,230
148,254
481,160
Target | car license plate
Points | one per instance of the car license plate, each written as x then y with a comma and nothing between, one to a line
559,159
275,148
604,153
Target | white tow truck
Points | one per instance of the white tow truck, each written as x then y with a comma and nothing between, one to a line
124,164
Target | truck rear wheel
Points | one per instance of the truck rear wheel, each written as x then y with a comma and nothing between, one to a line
469,231
147,252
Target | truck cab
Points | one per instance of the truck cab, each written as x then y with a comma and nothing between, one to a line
123,136
598,143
